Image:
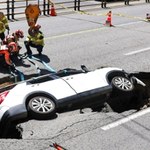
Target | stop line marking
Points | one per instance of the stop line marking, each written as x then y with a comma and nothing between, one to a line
138,51
126,119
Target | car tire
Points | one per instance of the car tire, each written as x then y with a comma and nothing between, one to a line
121,96
41,107
122,83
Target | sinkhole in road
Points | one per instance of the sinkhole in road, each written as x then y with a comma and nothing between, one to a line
123,103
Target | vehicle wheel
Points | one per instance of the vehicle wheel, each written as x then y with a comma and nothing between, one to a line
120,98
41,107
122,83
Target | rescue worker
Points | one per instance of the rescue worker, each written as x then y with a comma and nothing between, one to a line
103,3
35,39
14,38
126,2
6,51
3,25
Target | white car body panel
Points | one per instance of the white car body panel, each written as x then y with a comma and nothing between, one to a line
3,109
59,88
86,81
23,90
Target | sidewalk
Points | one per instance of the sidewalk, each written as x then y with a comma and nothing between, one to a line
132,2
96,5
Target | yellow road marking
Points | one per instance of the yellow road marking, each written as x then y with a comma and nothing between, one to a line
74,33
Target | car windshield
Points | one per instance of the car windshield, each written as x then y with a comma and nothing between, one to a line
53,76
41,79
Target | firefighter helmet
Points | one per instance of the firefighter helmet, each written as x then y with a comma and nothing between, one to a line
12,47
37,27
19,34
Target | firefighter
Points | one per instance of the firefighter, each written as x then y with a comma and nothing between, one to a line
126,2
148,17
35,39
103,3
7,51
14,38
3,25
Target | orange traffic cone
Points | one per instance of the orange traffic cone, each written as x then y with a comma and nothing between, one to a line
109,19
148,17
58,147
52,10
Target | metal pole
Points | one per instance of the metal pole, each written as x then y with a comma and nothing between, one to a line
13,12
48,8
78,5
8,13
26,2
44,6
75,4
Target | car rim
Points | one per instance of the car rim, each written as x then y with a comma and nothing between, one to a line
42,104
123,83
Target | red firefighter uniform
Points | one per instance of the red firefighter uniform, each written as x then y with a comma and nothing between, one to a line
3,25
6,51
14,38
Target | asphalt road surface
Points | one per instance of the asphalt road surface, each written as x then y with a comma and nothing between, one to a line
76,39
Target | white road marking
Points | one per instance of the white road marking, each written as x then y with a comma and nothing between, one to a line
129,23
126,119
138,51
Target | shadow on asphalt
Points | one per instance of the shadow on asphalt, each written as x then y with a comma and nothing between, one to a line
4,69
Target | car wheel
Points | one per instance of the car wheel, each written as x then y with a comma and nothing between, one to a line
41,107
122,83
121,96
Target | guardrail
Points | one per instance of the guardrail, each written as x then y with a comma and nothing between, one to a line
14,9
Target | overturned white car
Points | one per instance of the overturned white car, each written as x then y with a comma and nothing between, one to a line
42,97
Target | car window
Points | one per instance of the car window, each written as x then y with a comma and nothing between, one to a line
41,79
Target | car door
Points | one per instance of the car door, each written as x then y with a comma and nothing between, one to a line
86,81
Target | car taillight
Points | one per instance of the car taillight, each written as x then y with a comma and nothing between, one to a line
3,95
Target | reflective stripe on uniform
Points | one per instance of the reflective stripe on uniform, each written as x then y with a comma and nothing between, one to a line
2,27
37,39
5,21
